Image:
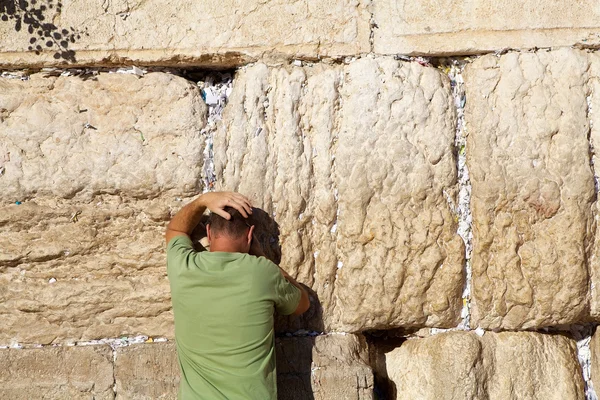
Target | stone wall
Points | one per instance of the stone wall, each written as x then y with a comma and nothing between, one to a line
441,211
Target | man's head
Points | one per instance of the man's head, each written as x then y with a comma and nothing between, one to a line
232,235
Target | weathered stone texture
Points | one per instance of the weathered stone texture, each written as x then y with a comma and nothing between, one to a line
532,188
354,163
595,359
193,33
113,133
323,368
147,371
459,27
94,202
594,115
109,268
55,373
508,365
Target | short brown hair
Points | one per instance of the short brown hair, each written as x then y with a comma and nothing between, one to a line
235,227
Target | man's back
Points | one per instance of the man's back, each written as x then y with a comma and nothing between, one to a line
223,305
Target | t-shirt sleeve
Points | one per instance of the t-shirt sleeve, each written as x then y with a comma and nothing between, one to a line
179,251
287,295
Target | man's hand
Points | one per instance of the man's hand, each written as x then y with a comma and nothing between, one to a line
184,222
217,201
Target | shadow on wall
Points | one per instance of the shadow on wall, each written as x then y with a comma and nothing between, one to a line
294,353
35,16
380,343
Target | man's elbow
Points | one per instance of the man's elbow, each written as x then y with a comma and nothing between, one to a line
304,304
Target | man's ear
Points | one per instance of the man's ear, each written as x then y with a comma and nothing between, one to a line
208,233
250,233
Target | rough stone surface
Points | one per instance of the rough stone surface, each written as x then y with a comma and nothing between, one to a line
76,373
595,360
108,267
532,188
187,32
508,365
356,164
323,368
83,256
594,115
111,133
147,371
459,27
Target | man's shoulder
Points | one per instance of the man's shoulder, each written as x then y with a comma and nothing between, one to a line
261,265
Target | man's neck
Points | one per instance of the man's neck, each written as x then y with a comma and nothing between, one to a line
226,246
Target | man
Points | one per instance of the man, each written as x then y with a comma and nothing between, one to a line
223,301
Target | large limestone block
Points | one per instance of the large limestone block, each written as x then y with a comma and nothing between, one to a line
102,274
595,359
532,188
147,371
181,32
323,367
468,27
445,365
355,163
529,365
57,373
111,133
462,365
97,163
594,115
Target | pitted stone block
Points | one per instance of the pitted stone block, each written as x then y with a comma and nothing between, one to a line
111,133
182,33
356,165
532,188
462,365
481,26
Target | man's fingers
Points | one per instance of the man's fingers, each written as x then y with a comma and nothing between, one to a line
219,200
239,207
244,203
247,207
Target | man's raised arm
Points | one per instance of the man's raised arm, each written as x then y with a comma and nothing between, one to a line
186,219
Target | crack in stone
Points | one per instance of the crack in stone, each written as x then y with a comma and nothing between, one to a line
216,88
463,211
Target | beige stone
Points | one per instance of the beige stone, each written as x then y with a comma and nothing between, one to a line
102,276
529,365
111,133
324,367
355,163
57,373
188,33
147,371
594,115
458,27
444,366
508,365
595,359
83,256
532,188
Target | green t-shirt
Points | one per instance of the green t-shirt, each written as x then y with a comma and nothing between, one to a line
223,305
